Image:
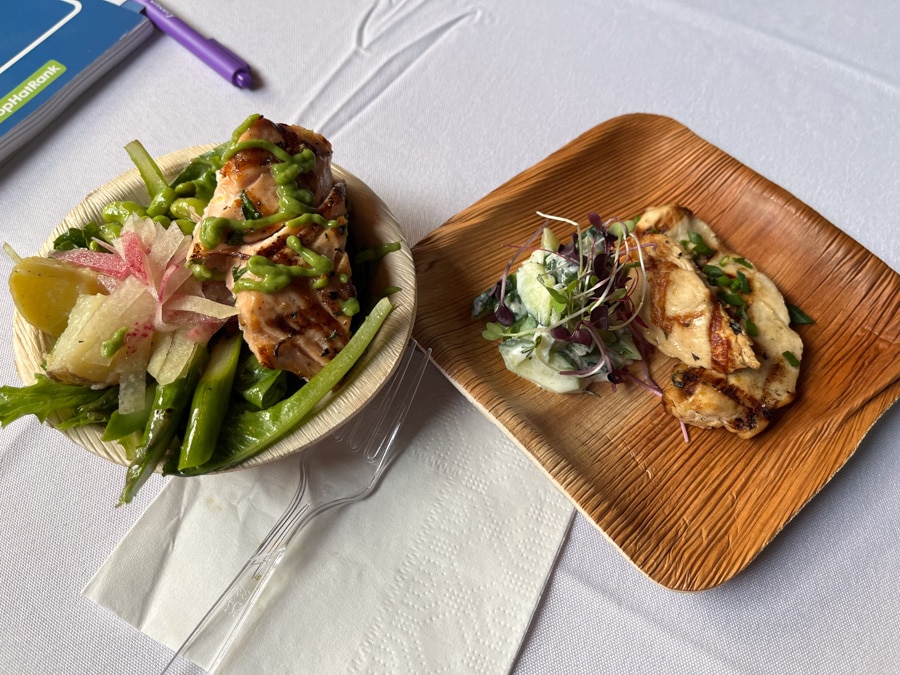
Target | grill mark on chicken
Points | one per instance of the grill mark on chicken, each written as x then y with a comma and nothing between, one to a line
740,398
682,317
297,328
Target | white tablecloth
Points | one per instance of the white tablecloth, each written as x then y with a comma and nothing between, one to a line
433,105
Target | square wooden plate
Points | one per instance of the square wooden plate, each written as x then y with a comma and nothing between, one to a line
690,516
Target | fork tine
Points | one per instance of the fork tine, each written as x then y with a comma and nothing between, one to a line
351,437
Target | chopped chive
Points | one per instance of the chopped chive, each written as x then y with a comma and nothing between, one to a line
712,272
699,247
790,358
798,316
732,299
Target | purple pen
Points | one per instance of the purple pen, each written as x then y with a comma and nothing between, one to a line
225,62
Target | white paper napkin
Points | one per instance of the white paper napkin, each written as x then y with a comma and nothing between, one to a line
439,571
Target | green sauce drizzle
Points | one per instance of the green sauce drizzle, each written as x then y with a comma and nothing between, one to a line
109,348
296,210
350,306
273,277
293,200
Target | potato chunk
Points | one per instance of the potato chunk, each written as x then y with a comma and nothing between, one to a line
44,291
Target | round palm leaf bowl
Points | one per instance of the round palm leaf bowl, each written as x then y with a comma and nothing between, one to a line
371,224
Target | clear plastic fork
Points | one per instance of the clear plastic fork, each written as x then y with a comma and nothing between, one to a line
332,474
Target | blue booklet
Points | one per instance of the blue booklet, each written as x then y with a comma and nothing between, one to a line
51,51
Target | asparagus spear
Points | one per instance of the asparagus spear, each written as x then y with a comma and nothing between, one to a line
169,407
210,403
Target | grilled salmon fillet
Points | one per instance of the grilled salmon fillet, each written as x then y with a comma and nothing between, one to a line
722,318
271,227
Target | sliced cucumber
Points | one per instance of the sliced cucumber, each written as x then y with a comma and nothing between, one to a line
520,357
533,293
549,240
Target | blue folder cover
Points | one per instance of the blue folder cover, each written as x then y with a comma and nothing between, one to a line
50,51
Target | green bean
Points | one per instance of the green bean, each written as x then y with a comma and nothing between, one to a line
187,207
185,225
210,402
161,202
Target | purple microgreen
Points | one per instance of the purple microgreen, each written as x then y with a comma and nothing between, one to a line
600,317
582,336
595,220
647,384
561,333
504,315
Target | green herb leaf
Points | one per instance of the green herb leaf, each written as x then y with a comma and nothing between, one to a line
798,316
493,331
248,208
77,405
790,358
559,299
77,238
732,299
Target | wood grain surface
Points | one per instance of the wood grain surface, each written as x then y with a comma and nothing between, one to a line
372,224
690,516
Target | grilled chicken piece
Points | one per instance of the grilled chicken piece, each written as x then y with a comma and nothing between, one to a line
300,327
758,376
682,317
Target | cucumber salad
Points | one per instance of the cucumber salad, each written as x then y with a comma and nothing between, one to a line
566,317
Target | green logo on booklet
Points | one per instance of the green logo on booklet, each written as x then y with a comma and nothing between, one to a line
33,85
